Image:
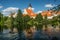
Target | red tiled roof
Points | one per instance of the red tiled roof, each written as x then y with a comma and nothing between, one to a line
48,13
30,12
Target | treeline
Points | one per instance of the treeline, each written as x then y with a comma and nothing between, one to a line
25,22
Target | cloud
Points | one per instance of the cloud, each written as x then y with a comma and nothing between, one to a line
1,6
8,10
49,5
39,12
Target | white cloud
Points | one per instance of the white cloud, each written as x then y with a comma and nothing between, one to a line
49,5
1,6
39,12
8,10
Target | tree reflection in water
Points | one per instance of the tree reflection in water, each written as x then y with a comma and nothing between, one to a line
33,34
50,34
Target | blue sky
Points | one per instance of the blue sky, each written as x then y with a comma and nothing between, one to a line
38,5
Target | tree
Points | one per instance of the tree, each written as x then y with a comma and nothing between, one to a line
54,21
1,22
45,22
8,22
39,19
56,10
5,19
26,19
58,20
19,22
12,22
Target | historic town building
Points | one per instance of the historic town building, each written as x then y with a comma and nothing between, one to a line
29,11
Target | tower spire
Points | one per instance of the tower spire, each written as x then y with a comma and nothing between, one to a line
30,5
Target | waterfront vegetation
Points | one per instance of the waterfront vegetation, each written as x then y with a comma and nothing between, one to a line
22,23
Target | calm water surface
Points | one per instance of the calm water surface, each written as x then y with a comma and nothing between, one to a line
38,35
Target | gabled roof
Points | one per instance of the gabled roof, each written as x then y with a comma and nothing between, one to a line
30,12
48,13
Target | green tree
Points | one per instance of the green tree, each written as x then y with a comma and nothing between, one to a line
39,20
32,22
56,18
8,22
45,22
1,22
4,20
19,22
26,19
12,22
54,21
56,9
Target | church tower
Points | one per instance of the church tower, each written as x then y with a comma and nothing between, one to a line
30,6
29,11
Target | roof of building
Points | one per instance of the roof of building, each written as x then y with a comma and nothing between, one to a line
48,13
30,12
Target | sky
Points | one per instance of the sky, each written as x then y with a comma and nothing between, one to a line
39,5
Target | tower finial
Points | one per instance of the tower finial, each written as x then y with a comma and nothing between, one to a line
30,5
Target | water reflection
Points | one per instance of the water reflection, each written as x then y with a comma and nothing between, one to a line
50,34
34,34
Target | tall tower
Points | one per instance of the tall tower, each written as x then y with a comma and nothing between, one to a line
29,11
30,6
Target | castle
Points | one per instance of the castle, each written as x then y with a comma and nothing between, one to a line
49,13
29,11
